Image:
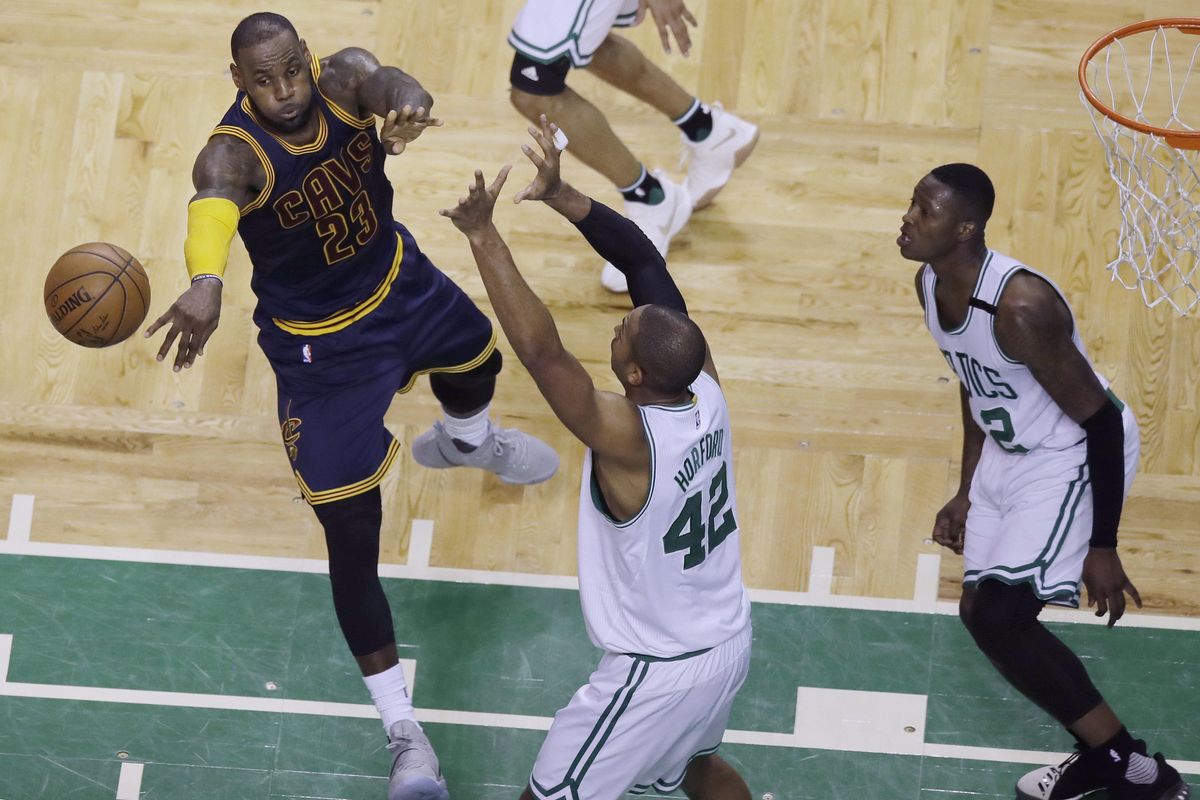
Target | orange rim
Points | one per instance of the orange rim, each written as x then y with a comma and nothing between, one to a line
1187,140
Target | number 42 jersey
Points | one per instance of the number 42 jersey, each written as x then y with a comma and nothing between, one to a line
1006,400
668,581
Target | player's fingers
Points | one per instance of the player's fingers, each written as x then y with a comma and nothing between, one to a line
501,177
167,342
390,119
158,323
687,14
1116,608
1101,604
184,348
663,34
681,35
529,152
1133,592
538,137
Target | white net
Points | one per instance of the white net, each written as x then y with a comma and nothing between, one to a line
1147,78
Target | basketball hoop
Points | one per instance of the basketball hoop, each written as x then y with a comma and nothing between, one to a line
1135,84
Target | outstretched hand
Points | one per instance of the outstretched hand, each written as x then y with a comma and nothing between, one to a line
548,181
1107,583
473,214
669,16
403,126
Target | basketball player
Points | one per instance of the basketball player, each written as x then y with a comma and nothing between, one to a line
350,311
659,567
551,36
1049,453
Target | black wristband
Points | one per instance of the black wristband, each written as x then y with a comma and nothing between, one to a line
1106,468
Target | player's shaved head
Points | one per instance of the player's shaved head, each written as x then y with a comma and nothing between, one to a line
972,188
669,348
258,28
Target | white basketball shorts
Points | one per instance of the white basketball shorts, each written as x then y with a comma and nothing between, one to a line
547,30
638,723
1031,516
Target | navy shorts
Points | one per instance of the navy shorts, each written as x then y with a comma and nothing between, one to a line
335,387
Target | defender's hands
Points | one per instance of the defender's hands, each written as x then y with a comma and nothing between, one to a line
547,183
950,526
403,126
193,317
473,214
669,16
1107,583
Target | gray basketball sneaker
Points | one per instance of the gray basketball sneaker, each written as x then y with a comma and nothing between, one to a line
415,772
514,456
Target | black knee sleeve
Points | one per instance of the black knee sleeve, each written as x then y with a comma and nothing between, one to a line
1004,623
463,393
533,77
352,537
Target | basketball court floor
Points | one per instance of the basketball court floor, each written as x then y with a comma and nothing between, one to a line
165,626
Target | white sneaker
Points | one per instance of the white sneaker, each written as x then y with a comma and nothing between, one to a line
659,222
712,161
514,456
415,772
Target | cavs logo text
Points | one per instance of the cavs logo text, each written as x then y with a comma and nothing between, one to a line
332,197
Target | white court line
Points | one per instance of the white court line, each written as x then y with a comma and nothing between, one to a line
129,784
508,721
20,518
820,571
925,589
420,542
191,558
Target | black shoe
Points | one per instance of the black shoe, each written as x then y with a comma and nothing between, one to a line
1080,775
1169,786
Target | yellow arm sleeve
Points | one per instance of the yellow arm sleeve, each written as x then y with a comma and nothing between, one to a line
212,221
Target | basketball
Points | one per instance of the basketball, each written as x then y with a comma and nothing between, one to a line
96,294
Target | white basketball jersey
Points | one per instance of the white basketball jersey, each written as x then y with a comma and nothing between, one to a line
1006,400
669,580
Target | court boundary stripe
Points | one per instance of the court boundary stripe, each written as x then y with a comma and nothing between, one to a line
467,718
198,558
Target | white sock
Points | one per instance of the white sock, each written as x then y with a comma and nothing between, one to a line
471,430
390,693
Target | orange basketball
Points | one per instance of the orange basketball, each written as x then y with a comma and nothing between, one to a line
97,294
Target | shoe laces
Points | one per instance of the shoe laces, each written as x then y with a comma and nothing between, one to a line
508,439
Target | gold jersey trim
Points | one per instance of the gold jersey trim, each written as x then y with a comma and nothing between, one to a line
343,492
464,367
347,316
245,136
339,112
296,150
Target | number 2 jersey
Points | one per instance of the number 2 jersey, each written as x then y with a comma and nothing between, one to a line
320,234
1006,400
668,581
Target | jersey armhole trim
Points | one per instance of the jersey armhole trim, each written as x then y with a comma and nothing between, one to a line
598,501
343,114
269,185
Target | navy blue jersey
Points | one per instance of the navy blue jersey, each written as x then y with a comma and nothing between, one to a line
320,234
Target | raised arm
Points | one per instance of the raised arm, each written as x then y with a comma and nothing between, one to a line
227,175
608,423
615,238
354,78
1034,326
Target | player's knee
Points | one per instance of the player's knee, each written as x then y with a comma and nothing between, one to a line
465,393
535,85
1000,613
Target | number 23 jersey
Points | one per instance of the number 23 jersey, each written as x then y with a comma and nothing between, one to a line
668,581
1006,400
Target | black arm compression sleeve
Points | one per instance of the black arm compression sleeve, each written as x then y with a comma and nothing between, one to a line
1106,466
623,244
